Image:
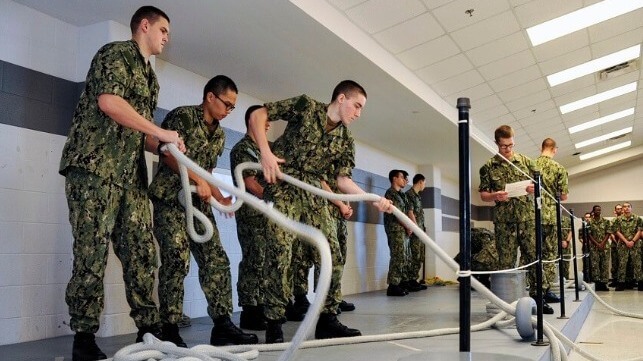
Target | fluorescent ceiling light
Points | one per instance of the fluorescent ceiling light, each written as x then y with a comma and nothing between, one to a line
601,121
594,65
612,148
594,99
580,19
603,137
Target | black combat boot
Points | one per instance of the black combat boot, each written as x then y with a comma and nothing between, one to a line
225,332
301,304
640,286
274,334
620,286
328,326
252,318
292,314
346,306
85,348
154,330
396,290
170,332
601,286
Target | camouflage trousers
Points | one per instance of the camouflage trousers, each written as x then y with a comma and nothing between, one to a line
100,212
634,256
305,257
175,247
304,207
510,236
614,259
251,235
567,259
399,254
415,260
550,253
600,263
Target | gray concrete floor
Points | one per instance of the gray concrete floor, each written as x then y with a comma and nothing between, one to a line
435,308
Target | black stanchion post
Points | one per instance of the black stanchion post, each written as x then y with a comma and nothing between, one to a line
576,285
465,227
561,281
539,266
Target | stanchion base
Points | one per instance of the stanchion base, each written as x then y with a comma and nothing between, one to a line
541,343
562,318
461,356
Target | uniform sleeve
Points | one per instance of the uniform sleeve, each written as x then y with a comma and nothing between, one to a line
291,110
344,166
240,154
110,66
485,182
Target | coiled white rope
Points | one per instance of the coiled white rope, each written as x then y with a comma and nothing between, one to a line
316,238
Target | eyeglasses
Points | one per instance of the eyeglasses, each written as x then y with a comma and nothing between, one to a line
228,106
506,146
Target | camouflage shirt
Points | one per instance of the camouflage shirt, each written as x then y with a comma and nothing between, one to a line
495,174
96,142
399,200
202,146
599,228
312,154
415,204
553,178
628,226
246,150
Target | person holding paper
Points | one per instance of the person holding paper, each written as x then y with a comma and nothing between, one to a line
513,217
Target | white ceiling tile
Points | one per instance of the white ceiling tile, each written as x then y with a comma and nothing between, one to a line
618,25
515,3
477,92
565,61
529,100
536,12
619,42
432,4
491,113
377,15
507,65
458,83
560,46
345,4
514,79
572,86
523,90
498,49
486,31
426,54
454,15
543,110
444,69
409,33
485,103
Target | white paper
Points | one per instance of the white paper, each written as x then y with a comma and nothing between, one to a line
517,189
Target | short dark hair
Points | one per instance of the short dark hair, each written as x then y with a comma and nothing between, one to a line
548,143
596,206
251,109
393,173
347,87
151,13
418,178
218,85
503,131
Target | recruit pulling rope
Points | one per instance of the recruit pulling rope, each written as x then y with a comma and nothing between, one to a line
153,349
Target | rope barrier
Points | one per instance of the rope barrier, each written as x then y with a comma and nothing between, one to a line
153,349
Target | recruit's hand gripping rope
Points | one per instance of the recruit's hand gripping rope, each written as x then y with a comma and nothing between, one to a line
153,349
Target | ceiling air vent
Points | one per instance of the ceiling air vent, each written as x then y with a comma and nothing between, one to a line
619,69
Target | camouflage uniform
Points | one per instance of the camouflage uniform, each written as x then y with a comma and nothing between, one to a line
484,256
614,251
514,219
599,229
396,235
567,252
251,225
204,147
105,185
553,178
628,227
416,247
312,154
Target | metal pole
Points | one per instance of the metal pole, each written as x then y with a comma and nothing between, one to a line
539,266
571,216
561,278
587,258
465,223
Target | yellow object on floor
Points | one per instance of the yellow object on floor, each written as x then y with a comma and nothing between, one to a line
437,281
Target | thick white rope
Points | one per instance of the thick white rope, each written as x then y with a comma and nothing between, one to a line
317,239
